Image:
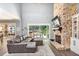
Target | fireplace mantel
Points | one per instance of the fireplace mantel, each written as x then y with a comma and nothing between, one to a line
57,33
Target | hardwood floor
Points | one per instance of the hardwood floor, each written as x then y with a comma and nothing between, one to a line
62,52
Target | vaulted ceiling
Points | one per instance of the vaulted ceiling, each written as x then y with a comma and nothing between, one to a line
8,12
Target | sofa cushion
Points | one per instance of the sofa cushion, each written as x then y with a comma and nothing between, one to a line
10,42
31,45
28,39
17,39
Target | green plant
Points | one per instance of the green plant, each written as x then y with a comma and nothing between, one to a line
44,29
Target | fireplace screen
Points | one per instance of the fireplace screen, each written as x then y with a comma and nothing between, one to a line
58,38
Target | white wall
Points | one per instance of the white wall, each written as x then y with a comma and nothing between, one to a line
9,7
37,13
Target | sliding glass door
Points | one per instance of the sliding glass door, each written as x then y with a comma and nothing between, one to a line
39,31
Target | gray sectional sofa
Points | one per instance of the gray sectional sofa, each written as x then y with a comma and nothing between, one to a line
17,45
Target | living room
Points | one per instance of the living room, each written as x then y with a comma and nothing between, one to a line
16,21
26,14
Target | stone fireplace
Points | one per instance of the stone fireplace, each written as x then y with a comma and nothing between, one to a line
65,11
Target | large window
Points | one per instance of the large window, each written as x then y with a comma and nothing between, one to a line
39,31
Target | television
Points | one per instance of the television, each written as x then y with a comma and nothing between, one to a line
56,22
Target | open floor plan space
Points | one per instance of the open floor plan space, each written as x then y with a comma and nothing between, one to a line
39,29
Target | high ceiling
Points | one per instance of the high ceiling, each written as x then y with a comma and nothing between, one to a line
8,12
